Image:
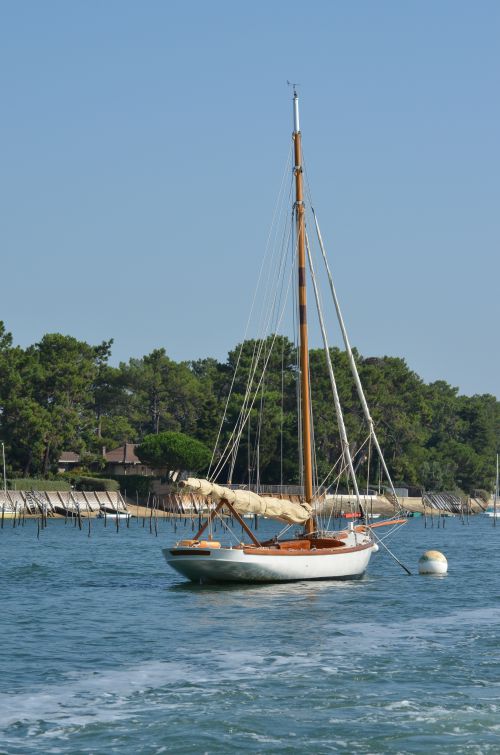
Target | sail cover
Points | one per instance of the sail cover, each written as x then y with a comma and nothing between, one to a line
246,502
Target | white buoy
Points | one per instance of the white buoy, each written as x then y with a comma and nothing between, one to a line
432,562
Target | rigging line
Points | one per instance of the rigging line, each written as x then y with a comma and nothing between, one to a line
287,231
392,531
332,469
313,444
218,514
259,344
380,541
368,463
226,454
282,410
247,390
352,362
281,259
354,370
283,531
256,455
313,440
257,350
277,204
240,420
345,464
298,396
249,461
276,257
254,362
343,469
273,274
245,419
223,460
338,408
272,324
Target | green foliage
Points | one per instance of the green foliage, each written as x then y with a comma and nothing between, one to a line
96,483
46,392
61,394
170,450
162,395
134,483
272,423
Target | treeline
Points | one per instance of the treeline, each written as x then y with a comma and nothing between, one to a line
62,394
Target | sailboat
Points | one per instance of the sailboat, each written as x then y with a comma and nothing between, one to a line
316,552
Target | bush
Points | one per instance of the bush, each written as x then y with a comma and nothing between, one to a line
96,483
171,450
33,483
134,484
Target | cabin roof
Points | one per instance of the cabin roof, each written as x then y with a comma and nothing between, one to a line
69,456
123,454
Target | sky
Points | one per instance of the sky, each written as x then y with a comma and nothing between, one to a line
142,146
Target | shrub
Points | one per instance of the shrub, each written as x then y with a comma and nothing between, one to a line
171,450
134,484
96,483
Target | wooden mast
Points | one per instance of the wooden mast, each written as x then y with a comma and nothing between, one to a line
303,336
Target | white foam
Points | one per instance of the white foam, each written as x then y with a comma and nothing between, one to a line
399,705
377,636
89,697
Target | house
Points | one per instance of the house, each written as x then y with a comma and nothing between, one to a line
67,461
122,461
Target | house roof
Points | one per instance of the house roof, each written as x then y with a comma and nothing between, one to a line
123,454
69,456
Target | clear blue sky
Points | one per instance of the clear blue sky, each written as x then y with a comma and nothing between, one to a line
142,145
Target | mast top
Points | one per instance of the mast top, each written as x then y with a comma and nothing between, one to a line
296,122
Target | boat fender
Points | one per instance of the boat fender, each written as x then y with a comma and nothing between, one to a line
209,544
432,562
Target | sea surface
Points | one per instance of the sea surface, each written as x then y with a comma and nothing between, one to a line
104,649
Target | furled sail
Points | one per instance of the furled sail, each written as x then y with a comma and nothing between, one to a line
246,502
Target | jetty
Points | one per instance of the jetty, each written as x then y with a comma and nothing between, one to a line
428,504
42,503
176,503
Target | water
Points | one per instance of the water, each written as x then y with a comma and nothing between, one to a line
105,650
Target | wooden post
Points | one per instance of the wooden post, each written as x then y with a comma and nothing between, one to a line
241,521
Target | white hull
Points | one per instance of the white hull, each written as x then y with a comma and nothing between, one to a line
115,515
236,565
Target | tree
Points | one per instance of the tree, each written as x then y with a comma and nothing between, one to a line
46,399
268,442
164,395
171,450
61,394
111,406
